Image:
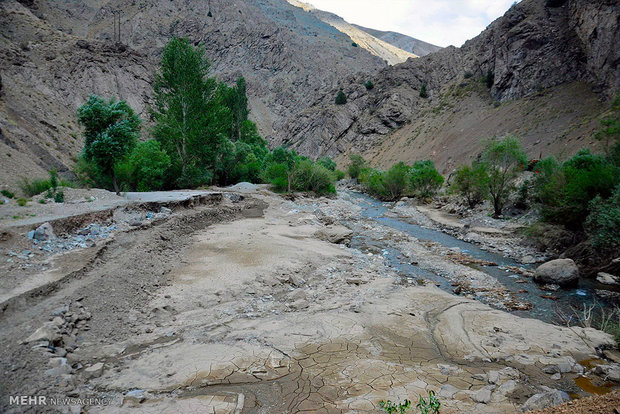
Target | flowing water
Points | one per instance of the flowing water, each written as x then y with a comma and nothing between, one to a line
543,308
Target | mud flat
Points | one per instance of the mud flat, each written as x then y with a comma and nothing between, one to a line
256,304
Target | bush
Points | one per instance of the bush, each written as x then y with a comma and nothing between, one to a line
395,181
314,177
34,187
565,191
354,44
423,92
489,79
471,182
22,202
355,167
59,197
369,85
7,194
603,223
424,179
468,75
341,98
327,163
145,168
339,175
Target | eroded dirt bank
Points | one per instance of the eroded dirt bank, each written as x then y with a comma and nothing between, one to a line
257,305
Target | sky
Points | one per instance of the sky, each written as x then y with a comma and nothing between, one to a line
440,22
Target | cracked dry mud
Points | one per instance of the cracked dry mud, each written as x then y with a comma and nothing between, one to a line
223,309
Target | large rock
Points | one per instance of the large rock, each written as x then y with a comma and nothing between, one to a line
334,234
607,278
48,332
44,232
560,272
549,398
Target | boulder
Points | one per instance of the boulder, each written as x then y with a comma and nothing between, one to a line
44,232
549,398
482,396
334,234
560,272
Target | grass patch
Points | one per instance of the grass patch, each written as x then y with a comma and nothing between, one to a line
22,202
37,186
7,194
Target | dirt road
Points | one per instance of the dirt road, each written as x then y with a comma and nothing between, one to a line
255,304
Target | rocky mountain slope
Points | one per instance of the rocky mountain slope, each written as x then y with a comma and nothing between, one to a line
402,41
387,51
548,63
54,54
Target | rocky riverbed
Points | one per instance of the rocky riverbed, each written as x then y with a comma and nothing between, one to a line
259,304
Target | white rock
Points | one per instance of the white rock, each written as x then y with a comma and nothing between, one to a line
44,232
482,396
545,399
448,391
607,279
47,332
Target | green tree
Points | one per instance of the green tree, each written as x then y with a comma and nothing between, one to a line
503,159
395,180
357,163
609,132
424,179
191,119
145,168
423,92
282,164
603,223
237,102
369,85
471,182
341,98
111,130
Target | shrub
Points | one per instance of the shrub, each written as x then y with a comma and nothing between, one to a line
356,165
369,85
354,44
423,92
522,201
34,187
471,182
277,175
603,223
145,168
310,176
468,75
395,181
7,194
489,79
424,179
341,98
564,191
339,175
503,158
22,202
327,163
42,201
59,197
53,179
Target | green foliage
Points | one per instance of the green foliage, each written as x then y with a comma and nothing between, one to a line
287,171
22,202
327,163
391,408
565,190
471,182
523,195
489,79
42,201
603,223
423,92
111,131
357,163
59,197
395,182
424,179
609,132
354,44
430,406
7,194
145,168
503,158
341,98
339,175
53,179
369,85
190,115
34,187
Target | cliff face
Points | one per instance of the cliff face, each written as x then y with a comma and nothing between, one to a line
531,49
401,41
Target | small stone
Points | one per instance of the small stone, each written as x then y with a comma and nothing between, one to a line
56,362
94,371
493,377
58,321
448,391
556,377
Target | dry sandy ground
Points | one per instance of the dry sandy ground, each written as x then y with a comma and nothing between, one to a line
243,307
